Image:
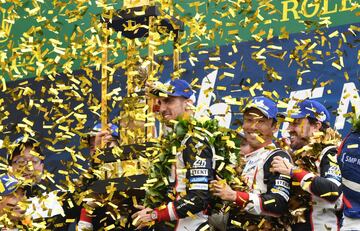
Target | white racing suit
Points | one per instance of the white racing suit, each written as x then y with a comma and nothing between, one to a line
269,192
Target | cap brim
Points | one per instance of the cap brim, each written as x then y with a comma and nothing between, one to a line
260,109
10,184
29,140
162,93
7,192
298,116
158,92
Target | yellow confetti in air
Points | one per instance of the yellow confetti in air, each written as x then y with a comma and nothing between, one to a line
28,122
149,181
260,139
221,166
112,226
2,188
230,169
261,223
134,200
177,6
236,223
112,205
337,66
229,74
274,47
233,32
334,34
190,214
165,180
328,194
269,201
234,48
206,227
350,146
217,22
270,34
70,203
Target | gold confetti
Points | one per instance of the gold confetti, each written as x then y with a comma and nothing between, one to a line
190,214
261,223
336,65
269,202
110,227
236,223
329,194
351,146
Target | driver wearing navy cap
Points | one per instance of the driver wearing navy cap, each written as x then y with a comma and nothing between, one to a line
268,192
314,145
175,100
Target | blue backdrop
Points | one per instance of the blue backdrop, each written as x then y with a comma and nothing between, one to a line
323,65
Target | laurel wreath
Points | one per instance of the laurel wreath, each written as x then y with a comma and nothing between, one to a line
224,141
356,124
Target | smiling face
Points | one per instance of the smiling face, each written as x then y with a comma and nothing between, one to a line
27,165
245,147
258,129
300,131
173,107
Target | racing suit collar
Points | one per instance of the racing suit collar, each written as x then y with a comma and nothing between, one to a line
271,146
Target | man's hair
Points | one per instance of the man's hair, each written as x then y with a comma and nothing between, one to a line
21,147
313,121
274,122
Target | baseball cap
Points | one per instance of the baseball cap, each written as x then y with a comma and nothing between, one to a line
18,143
312,109
25,140
8,184
177,87
267,106
97,128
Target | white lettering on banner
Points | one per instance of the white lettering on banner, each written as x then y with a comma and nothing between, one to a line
221,111
349,95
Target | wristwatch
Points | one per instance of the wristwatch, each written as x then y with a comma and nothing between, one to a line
154,215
